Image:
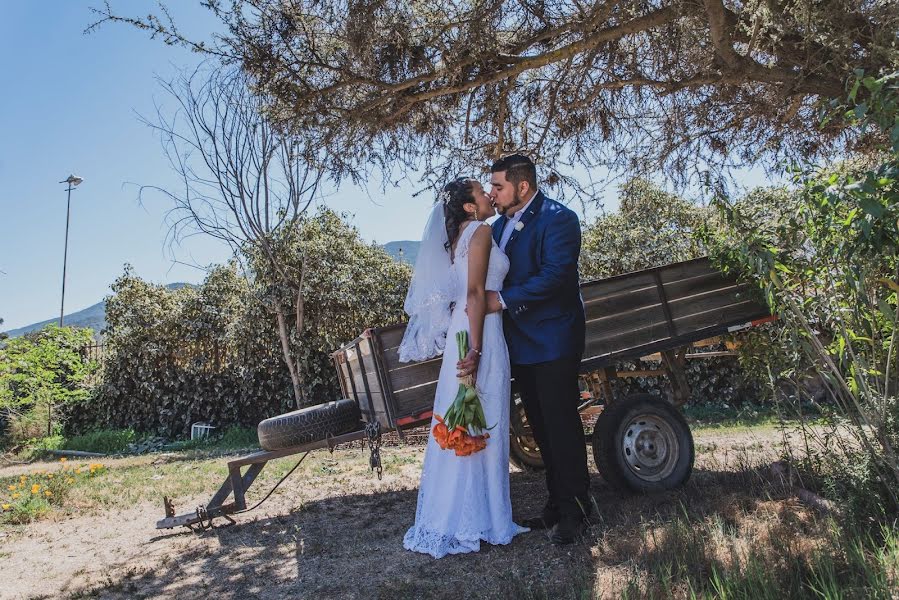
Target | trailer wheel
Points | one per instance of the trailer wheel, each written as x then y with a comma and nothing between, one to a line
643,443
308,425
524,452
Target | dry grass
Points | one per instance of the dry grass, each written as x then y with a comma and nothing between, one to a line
334,531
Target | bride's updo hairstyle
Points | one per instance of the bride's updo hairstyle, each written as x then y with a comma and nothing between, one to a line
455,195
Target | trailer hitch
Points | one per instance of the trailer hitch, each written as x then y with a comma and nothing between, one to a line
373,434
238,482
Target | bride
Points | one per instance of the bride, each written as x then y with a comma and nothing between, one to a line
462,499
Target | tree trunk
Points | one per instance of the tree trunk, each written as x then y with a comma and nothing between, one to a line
284,335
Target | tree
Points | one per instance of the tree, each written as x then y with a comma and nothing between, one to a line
243,182
652,227
829,267
40,370
674,85
211,352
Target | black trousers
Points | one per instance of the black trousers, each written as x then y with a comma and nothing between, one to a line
551,396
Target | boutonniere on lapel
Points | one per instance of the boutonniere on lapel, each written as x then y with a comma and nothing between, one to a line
519,226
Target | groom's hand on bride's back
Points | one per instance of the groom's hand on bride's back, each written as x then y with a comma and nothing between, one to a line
493,303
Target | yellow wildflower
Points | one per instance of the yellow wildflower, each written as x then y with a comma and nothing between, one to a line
6,506
49,475
35,488
48,493
12,488
70,480
63,459
77,471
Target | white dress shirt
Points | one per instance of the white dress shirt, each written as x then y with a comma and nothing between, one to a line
510,226
507,233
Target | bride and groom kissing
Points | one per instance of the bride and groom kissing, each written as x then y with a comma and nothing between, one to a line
514,288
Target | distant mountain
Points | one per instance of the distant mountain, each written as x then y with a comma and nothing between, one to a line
94,317
405,250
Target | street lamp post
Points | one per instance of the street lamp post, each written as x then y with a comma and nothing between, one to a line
73,181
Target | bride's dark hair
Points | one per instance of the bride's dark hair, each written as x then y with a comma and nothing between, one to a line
455,194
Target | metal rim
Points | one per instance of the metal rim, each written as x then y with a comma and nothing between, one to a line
649,447
526,441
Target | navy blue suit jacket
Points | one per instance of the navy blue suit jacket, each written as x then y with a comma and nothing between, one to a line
544,316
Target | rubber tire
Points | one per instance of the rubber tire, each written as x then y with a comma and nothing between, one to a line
309,425
608,437
519,454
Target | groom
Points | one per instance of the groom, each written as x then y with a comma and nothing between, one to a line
543,319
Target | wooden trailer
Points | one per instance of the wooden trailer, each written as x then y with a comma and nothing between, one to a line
644,443
639,442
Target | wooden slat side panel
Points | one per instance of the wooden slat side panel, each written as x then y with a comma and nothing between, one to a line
370,373
686,270
609,306
601,343
345,380
416,400
697,285
391,359
415,374
714,316
622,322
607,288
708,301
390,337
374,400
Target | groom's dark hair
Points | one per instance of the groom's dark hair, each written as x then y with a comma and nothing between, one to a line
518,168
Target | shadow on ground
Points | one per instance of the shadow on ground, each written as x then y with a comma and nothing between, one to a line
350,546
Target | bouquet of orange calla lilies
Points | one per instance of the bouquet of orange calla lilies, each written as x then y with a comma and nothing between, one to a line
464,427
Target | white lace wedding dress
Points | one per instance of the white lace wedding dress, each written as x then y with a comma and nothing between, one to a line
465,499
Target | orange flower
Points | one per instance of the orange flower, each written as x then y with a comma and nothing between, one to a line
440,434
456,437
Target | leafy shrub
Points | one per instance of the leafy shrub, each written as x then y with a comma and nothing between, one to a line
651,227
212,352
41,372
831,271
104,441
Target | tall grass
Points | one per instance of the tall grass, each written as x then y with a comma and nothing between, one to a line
776,560
103,441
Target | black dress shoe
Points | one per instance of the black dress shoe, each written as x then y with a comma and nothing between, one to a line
542,522
567,530
549,516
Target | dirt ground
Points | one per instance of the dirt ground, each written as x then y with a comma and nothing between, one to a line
333,530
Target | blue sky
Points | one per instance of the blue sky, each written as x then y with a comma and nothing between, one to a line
69,105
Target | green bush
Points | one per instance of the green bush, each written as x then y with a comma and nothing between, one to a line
830,269
42,374
212,353
652,227
104,441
